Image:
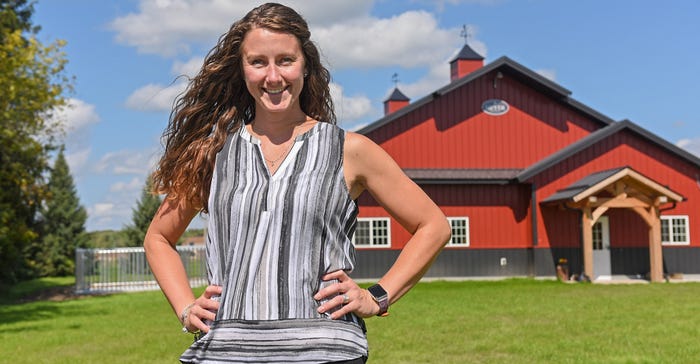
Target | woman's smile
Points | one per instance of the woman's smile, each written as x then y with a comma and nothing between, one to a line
273,66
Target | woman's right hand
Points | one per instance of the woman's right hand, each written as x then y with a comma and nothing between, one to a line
203,309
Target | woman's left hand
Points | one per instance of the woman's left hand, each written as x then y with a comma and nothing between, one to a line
347,297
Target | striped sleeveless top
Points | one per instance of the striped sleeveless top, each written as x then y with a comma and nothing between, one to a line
270,240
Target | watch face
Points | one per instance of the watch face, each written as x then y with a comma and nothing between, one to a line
377,291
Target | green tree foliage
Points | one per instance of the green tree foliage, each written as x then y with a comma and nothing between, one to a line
63,225
107,239
142,215
32,83
16,15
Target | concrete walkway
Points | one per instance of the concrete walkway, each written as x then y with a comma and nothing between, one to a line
624,279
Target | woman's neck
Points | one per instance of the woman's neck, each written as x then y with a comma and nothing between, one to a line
279,128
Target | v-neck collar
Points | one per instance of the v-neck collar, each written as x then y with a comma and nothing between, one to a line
291,155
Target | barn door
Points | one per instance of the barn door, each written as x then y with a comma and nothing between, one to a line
601,249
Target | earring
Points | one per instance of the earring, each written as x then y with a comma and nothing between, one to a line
305,74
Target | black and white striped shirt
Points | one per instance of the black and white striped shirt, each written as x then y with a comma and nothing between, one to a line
270,240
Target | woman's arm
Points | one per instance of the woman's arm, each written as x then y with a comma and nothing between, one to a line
168,224
368,167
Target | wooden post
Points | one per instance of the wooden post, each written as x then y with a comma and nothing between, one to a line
656,261
587,227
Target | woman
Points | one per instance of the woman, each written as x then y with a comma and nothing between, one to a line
252,142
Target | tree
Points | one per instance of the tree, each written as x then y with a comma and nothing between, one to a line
32,83
63,225
142,215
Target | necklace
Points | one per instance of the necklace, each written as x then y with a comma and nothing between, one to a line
284,153
290,143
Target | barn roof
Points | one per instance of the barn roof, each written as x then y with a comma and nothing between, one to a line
462,176
599,181
467,53
582,185
597,136
397,95
547,87
510,67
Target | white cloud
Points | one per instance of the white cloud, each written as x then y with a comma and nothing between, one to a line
77,160
692,145
332,12
76,119
189,68
154,97
166,27
116,208
170,27
549,74
349,108
136,184
102,215
77,115
347,35
437,77
127,162
100,210
441,4
411,39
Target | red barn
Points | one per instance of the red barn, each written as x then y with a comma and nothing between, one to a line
530,177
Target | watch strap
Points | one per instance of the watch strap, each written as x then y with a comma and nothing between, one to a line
382,300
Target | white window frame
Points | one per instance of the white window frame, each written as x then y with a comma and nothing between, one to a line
669,219
467,233
373,244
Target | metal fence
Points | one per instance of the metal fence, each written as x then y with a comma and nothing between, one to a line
126,269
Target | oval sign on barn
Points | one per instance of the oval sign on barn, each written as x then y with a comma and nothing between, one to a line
495,107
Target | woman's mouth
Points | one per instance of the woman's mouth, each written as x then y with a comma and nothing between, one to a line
275,91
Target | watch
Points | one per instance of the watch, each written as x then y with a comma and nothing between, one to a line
381,297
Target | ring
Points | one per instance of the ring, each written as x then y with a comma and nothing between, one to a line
346,299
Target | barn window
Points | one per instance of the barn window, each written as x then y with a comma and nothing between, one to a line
372,232
460,231
674,230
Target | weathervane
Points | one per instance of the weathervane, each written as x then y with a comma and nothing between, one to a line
395,79
465,33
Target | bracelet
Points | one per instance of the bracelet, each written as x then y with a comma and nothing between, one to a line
183,317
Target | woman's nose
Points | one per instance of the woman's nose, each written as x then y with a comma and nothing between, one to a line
273,74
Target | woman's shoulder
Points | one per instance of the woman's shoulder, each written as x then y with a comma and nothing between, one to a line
356,142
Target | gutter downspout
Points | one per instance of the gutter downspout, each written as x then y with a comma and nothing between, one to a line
535,235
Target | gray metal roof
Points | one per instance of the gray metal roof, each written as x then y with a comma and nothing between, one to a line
581,185
599,181
397,96
503,64
467,53
597,136
546,86
462,176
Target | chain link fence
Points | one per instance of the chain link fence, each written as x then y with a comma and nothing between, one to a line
126,269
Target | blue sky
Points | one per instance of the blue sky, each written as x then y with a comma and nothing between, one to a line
628,59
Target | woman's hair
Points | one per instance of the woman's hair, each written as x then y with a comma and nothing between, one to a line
217,101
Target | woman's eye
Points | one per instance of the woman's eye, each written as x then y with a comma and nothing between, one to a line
287,60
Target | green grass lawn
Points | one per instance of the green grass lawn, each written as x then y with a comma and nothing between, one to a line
510,321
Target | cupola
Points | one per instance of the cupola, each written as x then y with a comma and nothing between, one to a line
396,101
466,62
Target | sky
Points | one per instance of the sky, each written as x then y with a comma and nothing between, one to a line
627,59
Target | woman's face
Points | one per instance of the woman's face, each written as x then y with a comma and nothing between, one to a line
273,67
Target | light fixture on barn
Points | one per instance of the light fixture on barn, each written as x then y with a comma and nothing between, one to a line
498,76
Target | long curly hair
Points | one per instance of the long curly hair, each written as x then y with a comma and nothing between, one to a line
216,102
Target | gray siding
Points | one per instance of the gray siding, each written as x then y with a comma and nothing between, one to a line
372,264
